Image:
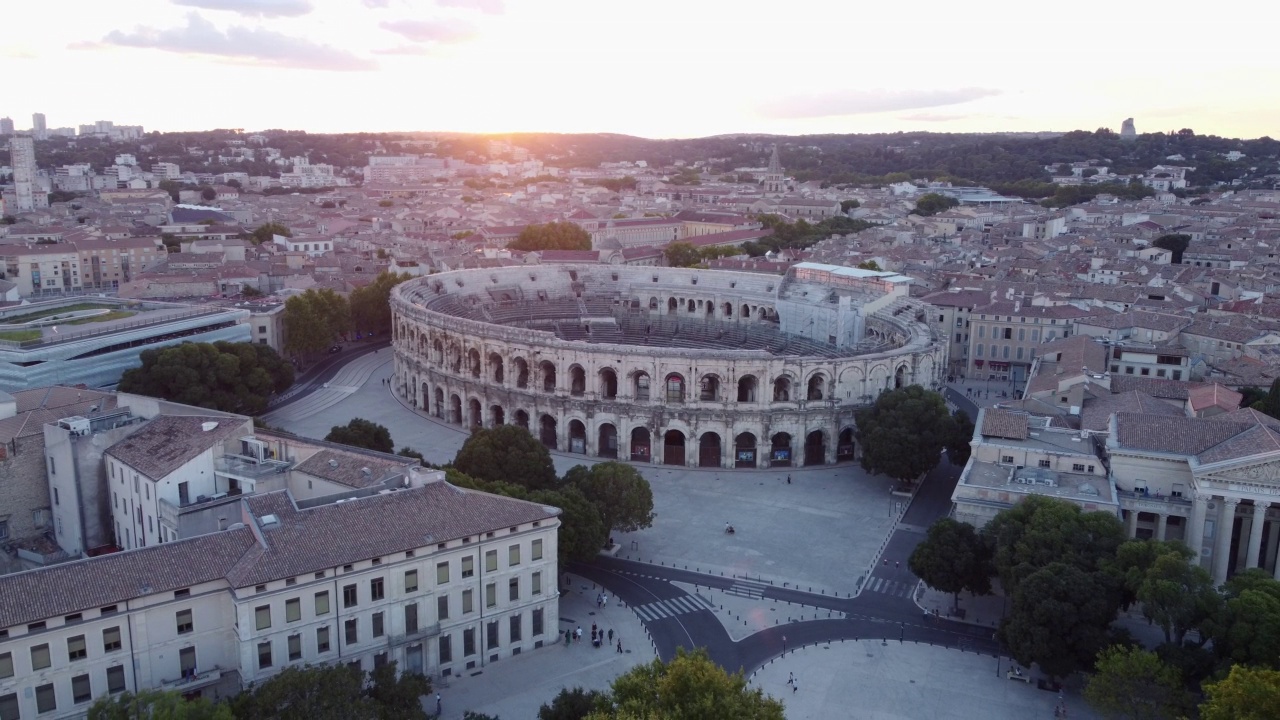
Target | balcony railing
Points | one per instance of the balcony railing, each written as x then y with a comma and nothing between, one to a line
247,467
422,633
193,681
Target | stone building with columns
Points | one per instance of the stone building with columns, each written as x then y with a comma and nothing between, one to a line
1207,481
676,366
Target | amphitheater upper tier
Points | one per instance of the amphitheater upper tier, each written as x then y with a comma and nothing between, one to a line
674,365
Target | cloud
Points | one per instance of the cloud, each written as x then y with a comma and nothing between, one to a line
931,117
862,102
444,32
254,46
255,8
376,4
489,7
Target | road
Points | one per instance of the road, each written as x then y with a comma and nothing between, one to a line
884,609
315,377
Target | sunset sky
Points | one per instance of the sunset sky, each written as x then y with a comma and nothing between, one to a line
657,68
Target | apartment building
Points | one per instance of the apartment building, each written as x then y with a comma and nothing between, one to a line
86,264
436,578
1004,336
949,318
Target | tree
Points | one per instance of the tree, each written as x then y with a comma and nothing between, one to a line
573,704
208,194
227,376
620,493
1269,403
1247,629
560,235
582,530
1058,619
363,434
958,447
311,692
847,205
1176,243
1129,682
689,687
902,435
371,304
507,453
385,203
328,205
953,558
314,320
1041,530
869,265
681,254
235,184
264,233
157,705
173,187
1244,694
933,203
1178,596
398,696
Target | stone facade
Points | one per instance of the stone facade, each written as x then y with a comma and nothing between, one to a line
677,366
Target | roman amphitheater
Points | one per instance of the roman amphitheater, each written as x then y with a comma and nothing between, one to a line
663,365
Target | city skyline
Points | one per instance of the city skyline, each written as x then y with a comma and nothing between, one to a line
495,66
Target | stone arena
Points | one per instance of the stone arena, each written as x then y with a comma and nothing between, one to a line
677,366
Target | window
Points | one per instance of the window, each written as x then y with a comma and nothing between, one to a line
1145,371
40,656
468,642
295,647
491,561
411,618
81,690
442,606
262,617
1044,463
1177,374
982,332
187,662
513,589
490,595
468,602
184,622
184,592
6,665
351,630
1115,368
1090,468
1077,467
411,581
379,660
349,596
491,635
442,573
1006,459
515,628
322,639
377,590
293,610
535,552
537,622
76,648
537,583
978,350
264,655
468,566
115,679
46,700
1008,333
513,556
1128,369
378,624
446,649
9,709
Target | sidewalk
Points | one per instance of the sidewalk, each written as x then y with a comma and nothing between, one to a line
515,687
983,610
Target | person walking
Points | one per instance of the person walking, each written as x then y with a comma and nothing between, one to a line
578,633
791,678
610,634
788,479
439,706
795,684
604,600
619,646
784,643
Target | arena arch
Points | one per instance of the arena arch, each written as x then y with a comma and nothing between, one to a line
780,450
815,448
495,367
709,452
744,450
497,416
455,409
641,450
673,451
577,436
747,387
608,384
475,416
577,380
846,449
547,431
607,441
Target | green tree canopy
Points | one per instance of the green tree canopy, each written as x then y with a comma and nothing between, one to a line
507,453
574,704
314,319
1176,243
958,448
869,265
689,687
1058,619
1041,530
582,530
619,492
681,254
1176,595
559,235
1134,683
1269,403
371,304
953,558
1247,630
363,434
902,435
1244,694
208,194
847,205
157,705
227,376
934,203
263,233
335,692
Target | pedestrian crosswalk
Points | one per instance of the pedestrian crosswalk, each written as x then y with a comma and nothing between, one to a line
671,607
747,588
890,587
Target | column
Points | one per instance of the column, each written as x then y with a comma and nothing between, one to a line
1222,541
1195,531
1255,533
1132,526
1162,524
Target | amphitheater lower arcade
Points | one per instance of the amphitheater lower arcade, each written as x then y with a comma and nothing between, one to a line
644,396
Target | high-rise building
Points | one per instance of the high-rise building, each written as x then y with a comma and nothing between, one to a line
22,158
38,128
1127,131
6,126
774,181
